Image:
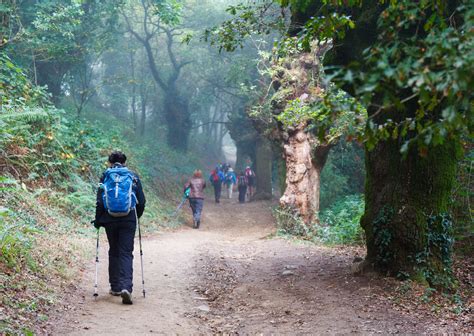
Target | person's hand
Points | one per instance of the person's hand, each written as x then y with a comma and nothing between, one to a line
95,224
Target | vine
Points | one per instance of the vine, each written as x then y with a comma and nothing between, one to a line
383,237
439,245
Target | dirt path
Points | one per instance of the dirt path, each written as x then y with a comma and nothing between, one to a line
231,277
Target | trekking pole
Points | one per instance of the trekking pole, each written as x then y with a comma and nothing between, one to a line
96,294
141,251
185,197
179,207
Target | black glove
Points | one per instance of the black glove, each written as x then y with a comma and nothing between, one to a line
96,224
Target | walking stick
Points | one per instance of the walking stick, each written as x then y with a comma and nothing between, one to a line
185,197
141,251
96,294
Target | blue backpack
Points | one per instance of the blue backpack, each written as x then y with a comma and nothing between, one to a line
119,197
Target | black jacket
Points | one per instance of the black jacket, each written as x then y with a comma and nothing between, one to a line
103,217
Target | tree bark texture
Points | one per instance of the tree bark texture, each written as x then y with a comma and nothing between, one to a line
405,220
304,163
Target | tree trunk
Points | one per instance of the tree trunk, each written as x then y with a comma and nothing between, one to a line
405,220
303,172
302,180
264,158
143,114
281,171
51,75
133,91
178,120
240,160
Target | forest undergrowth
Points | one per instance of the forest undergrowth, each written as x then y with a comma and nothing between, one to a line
50,164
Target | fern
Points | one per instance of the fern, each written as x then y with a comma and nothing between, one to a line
28,115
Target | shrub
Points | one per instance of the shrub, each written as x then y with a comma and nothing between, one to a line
17,231
340,224
289,222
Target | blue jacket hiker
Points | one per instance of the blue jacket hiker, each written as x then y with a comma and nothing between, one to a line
230,180
216,178
120,202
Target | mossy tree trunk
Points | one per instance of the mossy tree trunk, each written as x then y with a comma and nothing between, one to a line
406,220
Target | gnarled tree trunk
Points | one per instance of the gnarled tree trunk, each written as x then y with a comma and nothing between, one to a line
296,78
304,163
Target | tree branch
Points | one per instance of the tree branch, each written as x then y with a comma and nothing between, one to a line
149,52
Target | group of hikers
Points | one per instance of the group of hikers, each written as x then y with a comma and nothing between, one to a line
224,176
120,202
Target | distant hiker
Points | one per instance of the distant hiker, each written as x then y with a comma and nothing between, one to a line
216,178
242,184
230,180
225,168
251,180
120,202
196,196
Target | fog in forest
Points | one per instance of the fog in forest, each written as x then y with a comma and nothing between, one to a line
346,125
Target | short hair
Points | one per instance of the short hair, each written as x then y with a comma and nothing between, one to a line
117,157
197,173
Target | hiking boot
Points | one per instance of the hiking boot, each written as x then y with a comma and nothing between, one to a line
114,293
126,297
198,223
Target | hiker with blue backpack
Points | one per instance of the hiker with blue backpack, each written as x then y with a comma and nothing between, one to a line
216,178
195,186
230,180
120,203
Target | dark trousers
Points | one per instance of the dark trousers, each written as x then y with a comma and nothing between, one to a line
242,192
217,190
196,206
121,238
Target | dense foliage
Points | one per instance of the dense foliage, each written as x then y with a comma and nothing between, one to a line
409,63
